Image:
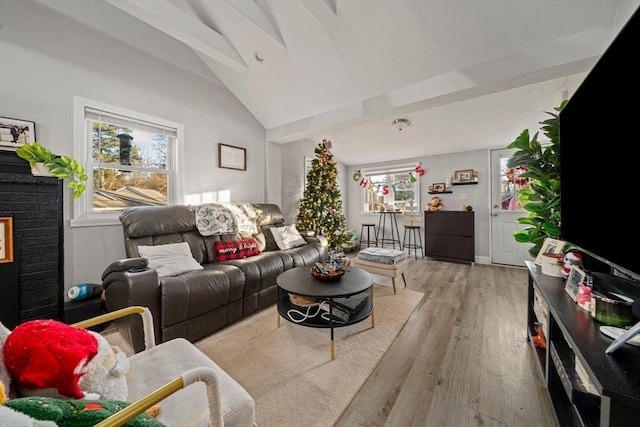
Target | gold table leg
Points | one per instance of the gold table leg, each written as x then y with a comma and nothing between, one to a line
333,350
373,320
278,320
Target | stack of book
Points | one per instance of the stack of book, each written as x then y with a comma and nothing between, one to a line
344,308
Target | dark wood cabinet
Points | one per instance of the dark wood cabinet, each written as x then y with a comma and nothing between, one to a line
449,235
575,348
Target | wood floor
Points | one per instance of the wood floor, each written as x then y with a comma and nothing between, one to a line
462,359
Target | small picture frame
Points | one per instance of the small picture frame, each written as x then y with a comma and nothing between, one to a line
438,187
463,175
550,246
6,239
575,278
231,157
15,132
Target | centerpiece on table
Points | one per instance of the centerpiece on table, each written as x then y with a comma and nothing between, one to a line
332,269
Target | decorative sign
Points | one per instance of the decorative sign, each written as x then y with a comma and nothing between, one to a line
384,188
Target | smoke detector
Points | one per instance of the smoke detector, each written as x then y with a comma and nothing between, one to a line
401,124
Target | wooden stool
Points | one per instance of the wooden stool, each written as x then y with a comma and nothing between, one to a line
412,232
368,242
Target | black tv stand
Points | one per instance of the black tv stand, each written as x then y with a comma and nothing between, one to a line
573,335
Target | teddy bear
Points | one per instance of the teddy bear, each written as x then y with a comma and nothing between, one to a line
51,358
435,205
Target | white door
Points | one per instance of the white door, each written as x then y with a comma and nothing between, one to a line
504,214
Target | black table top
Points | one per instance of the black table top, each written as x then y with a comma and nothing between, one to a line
300,282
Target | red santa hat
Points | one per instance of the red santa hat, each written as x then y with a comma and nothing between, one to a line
49,354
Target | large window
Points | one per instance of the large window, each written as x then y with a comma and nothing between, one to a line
391,188
131,160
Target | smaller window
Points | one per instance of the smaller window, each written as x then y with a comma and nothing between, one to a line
130,160
395,188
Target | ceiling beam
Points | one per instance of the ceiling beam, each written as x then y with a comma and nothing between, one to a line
164,16
254,13
333,5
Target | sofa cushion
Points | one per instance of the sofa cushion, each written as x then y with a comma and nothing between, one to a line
267,236
170,259
287,237
237,249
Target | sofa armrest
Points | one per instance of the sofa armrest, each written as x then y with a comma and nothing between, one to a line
126,264
323,249
145,316
202,374
132,286
317,239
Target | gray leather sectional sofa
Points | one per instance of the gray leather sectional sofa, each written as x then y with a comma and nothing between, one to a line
197,303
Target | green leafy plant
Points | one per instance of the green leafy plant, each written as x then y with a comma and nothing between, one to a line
62,167
540,163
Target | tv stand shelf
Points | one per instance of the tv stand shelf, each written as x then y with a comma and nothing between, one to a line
572,334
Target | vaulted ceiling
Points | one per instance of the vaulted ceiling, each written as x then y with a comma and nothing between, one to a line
467,74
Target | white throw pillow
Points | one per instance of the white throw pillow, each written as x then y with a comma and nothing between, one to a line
287,237
170,259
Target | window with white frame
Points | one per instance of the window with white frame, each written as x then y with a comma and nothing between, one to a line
131,160
394,187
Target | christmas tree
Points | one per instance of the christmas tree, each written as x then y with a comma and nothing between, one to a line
321,204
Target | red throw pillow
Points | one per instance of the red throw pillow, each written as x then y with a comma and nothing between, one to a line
224,250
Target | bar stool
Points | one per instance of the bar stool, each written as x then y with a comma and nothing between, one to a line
393,225
368,242
412,232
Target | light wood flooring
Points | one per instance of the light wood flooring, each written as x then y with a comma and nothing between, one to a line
462,359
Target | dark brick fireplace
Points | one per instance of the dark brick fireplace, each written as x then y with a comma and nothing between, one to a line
32,286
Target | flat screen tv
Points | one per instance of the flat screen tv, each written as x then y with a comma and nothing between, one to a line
599,167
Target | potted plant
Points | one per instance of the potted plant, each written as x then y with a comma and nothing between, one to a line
541,165
62,167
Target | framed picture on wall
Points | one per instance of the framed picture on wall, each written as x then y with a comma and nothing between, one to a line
438,187
230,157
15,132
6,239
463,175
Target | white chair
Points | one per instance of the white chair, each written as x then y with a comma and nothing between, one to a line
189,387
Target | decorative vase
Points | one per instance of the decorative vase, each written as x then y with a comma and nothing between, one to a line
39,169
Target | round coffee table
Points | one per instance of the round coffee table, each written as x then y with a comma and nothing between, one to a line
299,281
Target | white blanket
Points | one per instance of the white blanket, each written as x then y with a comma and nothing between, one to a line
226,218
215,219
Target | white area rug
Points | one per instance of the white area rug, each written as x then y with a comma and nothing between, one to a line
288,370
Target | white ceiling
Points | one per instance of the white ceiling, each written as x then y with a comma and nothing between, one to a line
468,74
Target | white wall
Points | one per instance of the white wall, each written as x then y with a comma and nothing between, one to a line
47,59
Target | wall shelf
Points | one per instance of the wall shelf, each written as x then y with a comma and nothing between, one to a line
464,182
440,192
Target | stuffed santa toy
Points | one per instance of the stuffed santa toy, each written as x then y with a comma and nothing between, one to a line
51,358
